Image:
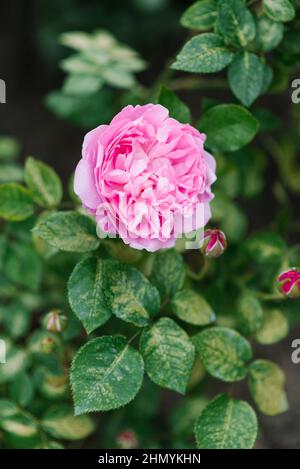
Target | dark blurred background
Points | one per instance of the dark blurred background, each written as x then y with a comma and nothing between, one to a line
29,57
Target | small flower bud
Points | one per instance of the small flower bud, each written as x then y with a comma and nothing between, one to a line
127,440
214,243
289,283
55,321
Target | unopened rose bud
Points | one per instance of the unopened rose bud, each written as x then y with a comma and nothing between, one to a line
214,243
127,440
55,321
289,283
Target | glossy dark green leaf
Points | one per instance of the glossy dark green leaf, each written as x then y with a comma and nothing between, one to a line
177,108
245,76
228,127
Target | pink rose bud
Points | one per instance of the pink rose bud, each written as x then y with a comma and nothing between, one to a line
146,177
214,243
289,283
127,440
55,321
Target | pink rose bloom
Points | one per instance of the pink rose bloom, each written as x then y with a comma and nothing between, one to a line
146,177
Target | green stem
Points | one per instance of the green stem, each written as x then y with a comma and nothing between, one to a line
269,296
191,83
199,275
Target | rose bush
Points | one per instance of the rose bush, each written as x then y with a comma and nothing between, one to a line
134,321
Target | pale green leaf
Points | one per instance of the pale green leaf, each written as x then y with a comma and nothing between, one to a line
250,313
275,327
43,182
223,352
266,384
16,202
192,308
60,422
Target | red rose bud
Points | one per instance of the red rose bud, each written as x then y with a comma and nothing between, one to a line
127,440
55,321
214,243
289,283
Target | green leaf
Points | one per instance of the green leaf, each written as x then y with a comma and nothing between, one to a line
250,313
269,33
192,308
168,273
228,127
265,247
245,76
82,85
177,108
201,15
51,384
274,328
223,352
9,148
16,362
266,384
279,10
17,319
86,291
205,53
68,231
106,374
22,265
60,422
11,173
86,111
13,421
16,203
226,424
22,390
130,295
168,354
43,182
236,22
